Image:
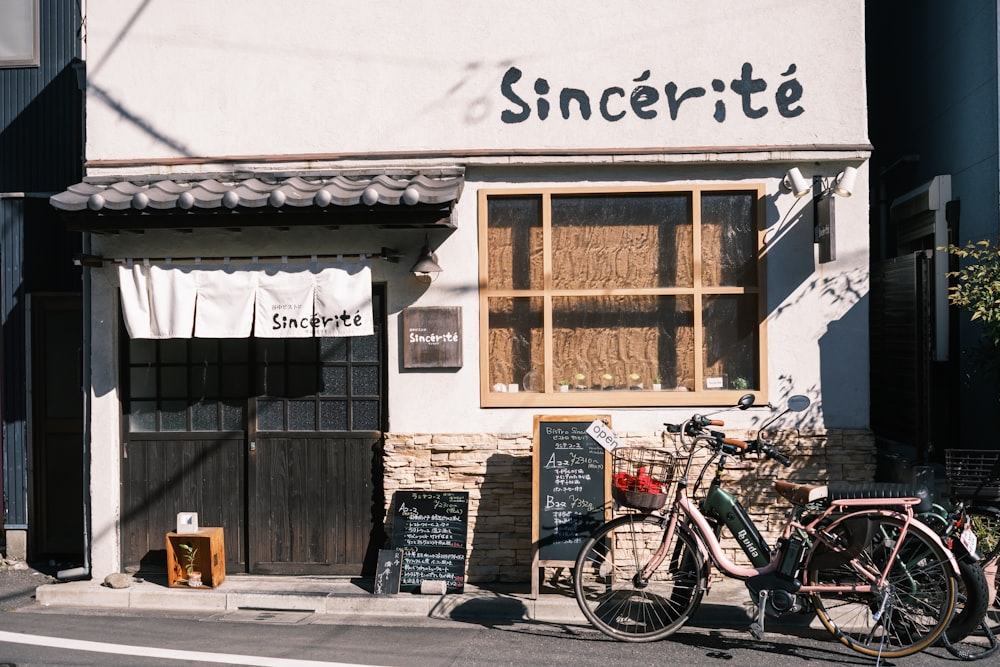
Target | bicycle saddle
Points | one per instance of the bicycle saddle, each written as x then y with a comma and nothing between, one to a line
804,494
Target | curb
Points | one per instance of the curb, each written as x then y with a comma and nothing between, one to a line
725,605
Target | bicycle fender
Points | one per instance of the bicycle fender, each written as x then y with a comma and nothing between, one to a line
855,517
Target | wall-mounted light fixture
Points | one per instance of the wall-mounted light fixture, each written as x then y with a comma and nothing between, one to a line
426,262
796,183
843,185
822,203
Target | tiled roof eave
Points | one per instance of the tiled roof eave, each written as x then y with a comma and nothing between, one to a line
412,199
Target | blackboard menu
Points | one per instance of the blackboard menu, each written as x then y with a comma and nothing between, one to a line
570,486
387,574
431,527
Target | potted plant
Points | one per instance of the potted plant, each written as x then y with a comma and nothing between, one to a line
563,385
633,380
606,381
189,554
657,383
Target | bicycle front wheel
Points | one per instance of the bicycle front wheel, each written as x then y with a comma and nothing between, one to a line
611,592
907,614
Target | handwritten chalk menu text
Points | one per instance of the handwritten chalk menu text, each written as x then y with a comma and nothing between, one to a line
570,486
431,527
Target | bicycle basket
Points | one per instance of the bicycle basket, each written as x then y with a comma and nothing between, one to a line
973,473
641,477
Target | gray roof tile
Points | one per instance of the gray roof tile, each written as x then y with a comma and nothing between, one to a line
195,192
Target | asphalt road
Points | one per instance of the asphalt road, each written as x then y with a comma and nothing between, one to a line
35,635
18,581
32,634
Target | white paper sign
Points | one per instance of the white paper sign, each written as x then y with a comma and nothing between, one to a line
600,432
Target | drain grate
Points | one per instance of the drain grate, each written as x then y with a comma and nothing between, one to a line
271,616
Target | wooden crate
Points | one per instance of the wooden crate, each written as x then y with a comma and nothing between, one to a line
210,559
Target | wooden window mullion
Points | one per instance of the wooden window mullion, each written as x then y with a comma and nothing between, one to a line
547,370
697,305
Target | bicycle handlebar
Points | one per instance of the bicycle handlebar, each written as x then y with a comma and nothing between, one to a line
695,428
738,444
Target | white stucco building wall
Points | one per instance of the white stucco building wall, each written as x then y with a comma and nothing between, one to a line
190,87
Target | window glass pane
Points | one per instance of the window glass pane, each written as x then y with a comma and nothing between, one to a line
270,415
364,381
271,380
142,417
516,344
731,342
142,351
623,342
301,415
232,417
235,350
204,381
333,415
173,416
364,348
514,236
334,381
19,33
173,351
624,241
365,416
143,382
301,350
333,349
204,351
728,239
173,381
302,380
205,416
234,382
270,350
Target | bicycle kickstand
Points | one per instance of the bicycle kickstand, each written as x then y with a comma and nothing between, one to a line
757,627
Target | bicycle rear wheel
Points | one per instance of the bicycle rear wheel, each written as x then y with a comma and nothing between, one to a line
610,592
913,608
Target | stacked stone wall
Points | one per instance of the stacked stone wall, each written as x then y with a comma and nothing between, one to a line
496,470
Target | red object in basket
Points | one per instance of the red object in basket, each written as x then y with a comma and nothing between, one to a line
641,482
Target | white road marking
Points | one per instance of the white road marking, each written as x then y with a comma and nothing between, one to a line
165,653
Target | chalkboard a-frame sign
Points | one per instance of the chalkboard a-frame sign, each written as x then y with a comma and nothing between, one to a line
431,529
570,487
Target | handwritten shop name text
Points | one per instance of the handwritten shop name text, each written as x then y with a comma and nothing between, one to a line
645,102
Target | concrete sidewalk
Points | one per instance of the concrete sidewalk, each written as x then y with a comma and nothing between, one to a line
727,604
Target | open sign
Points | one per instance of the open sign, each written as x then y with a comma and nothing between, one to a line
600,432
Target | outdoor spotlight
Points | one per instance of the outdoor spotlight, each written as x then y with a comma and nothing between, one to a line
844,185
797,183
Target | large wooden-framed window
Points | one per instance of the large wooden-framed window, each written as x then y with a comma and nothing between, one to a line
625,296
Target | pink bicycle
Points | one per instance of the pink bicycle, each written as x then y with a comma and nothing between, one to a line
879,580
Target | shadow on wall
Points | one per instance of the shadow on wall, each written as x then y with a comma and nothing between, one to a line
501,541
845,370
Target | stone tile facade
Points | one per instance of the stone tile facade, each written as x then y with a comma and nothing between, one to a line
496,470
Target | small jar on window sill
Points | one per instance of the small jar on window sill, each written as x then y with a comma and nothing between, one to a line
532,380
